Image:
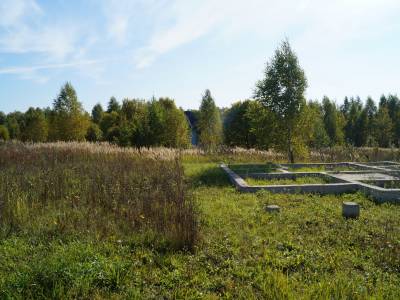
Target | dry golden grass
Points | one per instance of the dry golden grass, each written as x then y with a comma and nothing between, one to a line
79,188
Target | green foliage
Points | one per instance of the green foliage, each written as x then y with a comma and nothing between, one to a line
113,105
209,123
108,125
383,128
94,133
282,92
133,123
35,127
68,121
167,125
143,124
263,125
14,122
176,132
332,122
97,113
4,135
238,124
3,118
320,138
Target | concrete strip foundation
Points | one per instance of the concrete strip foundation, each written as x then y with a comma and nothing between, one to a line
339,181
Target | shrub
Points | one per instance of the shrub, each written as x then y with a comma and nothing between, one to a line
4,135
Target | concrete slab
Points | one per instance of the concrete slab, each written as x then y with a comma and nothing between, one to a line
365,176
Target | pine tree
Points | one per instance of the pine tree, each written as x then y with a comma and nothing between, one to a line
383,128
113,105
209,123
97,113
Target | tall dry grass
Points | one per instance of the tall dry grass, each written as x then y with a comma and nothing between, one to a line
332,154
95,189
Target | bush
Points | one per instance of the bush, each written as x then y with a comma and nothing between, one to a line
4,135
94,133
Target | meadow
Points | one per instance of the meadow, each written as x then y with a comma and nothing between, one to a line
98,222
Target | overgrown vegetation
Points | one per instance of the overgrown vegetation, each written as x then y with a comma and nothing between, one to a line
297,180
62,190
306,251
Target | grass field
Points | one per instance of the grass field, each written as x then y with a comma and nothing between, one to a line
306,251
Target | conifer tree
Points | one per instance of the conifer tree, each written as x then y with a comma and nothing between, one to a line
209,123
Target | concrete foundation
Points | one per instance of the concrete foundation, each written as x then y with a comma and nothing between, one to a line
339,181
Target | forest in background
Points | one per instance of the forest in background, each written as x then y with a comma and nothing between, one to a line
277,117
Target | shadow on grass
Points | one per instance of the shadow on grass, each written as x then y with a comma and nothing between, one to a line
211,177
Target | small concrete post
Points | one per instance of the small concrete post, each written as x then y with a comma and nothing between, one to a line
272,208
350,210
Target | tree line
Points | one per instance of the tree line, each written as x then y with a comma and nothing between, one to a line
281,118
277,117
134,122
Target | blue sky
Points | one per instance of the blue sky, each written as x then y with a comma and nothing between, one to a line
178,48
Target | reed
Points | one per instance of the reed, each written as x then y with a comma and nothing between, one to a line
102,191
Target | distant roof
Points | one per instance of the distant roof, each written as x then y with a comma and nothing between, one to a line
191,116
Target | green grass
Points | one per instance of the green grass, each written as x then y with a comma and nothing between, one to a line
395,184
254,168
306,251
321,169
299,180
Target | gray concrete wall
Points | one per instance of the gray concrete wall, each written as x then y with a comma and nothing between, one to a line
341,184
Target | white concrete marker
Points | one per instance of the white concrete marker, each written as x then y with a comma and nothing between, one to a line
350,210
272,208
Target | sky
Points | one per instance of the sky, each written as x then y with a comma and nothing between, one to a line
179,48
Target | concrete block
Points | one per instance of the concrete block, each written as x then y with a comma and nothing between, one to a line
350,210
272,208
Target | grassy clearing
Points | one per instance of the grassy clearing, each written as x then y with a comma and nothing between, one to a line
254,168
306,251
299,180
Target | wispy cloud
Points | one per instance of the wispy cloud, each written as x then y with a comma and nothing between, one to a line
13,11
150,29
334,22
29,69
26,28
55,42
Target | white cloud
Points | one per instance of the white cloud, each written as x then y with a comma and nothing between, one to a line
13,11
25,28
316,22
56,42
124,16
30,69
152,28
